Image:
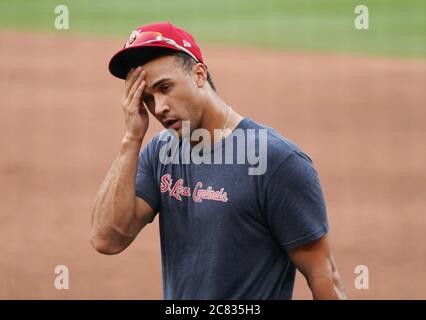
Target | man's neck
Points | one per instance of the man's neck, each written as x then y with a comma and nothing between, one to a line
218,115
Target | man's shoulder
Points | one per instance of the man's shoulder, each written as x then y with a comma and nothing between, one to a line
279,146
151,149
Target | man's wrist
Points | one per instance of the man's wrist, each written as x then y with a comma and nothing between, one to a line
131,142
132,139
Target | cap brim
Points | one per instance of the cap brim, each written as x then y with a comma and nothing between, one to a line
121,63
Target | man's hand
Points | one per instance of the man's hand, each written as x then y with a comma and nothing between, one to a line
136,115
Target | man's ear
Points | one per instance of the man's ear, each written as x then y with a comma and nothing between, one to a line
200,75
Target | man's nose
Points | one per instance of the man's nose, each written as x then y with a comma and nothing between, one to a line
161,106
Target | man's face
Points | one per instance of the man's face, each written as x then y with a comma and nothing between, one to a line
171,94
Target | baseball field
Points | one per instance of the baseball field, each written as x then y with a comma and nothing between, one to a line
353,99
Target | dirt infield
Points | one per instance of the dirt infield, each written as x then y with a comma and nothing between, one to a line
362,121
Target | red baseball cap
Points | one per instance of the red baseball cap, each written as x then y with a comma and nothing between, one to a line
147,42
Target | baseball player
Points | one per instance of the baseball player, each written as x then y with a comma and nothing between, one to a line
225,233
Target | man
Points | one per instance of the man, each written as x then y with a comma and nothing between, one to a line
226,232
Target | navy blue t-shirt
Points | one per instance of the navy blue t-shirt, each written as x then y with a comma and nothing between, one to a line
225,233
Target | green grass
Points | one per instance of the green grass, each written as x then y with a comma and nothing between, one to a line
397,27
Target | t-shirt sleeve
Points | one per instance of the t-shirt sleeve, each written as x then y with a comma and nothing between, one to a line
295,205
146,184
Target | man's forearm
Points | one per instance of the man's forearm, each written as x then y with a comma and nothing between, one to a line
114,208
327,288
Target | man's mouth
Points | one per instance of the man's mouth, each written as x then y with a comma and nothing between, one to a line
172,124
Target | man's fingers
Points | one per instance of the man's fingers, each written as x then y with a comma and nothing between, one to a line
132,76
136,85
138,94
130,73
126,82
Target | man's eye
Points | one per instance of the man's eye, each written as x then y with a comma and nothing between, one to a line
164,88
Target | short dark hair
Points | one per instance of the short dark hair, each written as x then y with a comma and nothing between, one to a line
188,62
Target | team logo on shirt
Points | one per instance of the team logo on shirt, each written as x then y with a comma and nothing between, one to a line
177,190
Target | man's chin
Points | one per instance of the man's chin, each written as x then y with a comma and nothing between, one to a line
180,129
176,132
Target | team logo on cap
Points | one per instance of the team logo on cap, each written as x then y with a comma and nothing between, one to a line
133,37
143,36
186,44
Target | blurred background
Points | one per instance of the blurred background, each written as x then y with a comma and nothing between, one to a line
353,99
